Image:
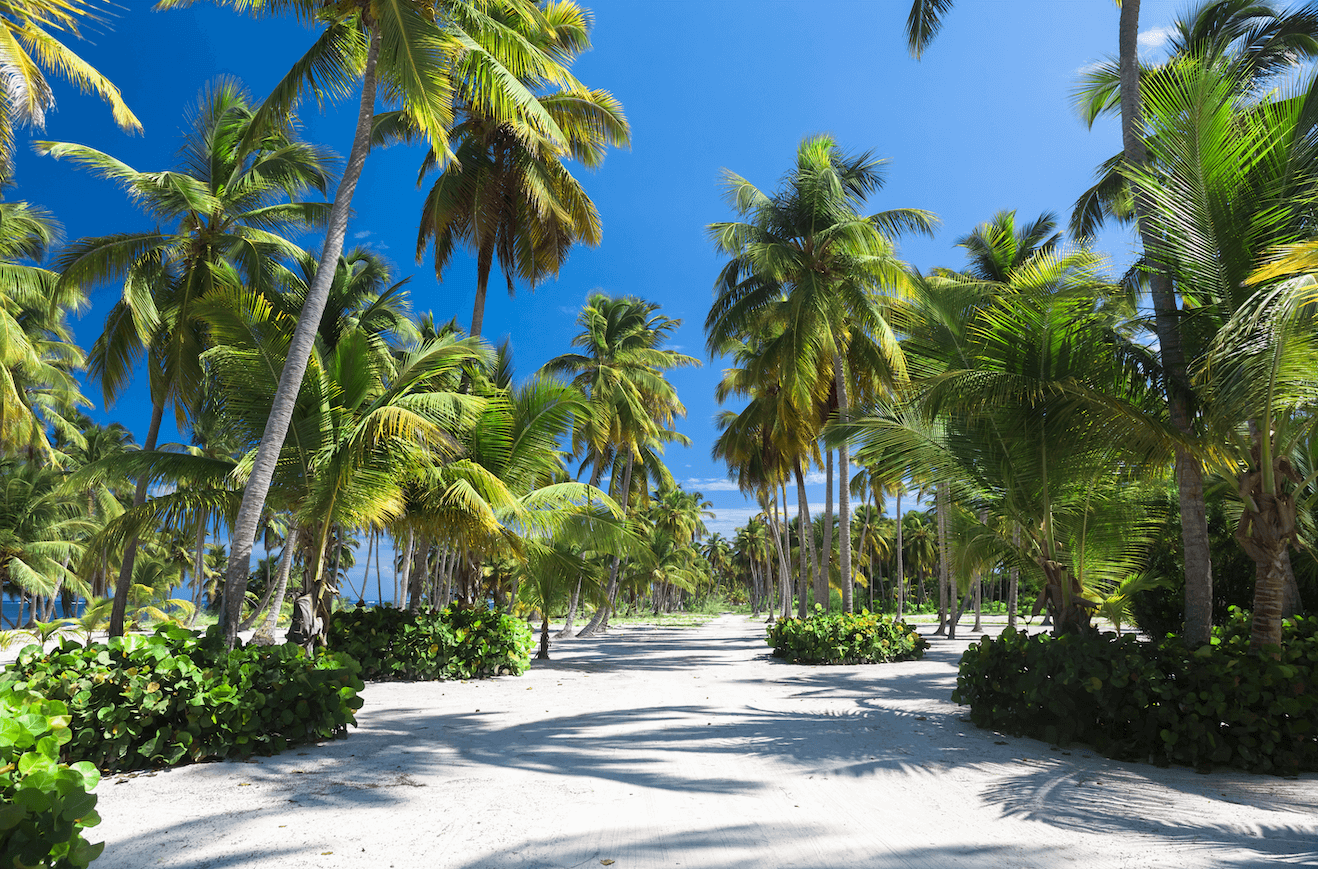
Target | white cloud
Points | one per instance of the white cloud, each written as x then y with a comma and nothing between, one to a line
708,484
365,233
1153,39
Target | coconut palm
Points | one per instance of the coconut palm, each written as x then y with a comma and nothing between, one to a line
630,405
923,23
40,526
1230,179
415,53
1049,407
224,207
808,246
37,355
1258,42
508,194
30,44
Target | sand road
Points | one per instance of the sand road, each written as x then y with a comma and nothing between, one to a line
655,747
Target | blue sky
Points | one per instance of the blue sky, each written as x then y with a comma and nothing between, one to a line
983,123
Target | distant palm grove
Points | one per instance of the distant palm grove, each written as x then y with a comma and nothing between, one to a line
1060,440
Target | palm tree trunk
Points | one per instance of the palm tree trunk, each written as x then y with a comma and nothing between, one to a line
781,604
1013,587
844,487
484,262
825,577
405,569
1189,473
944,572
571,611
265,634
807,539
602,610
299,352
543,654
900,578
379,584
125,582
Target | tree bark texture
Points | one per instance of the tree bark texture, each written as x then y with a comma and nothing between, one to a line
125,582
299,353
265,634
1189,473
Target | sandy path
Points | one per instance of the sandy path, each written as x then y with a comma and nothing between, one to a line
692,747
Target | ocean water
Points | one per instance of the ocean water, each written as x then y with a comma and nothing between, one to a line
9,612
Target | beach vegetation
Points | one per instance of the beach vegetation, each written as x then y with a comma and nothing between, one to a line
175,696
454,643
845,638
1154,701
45,803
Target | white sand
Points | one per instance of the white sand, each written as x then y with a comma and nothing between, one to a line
692,747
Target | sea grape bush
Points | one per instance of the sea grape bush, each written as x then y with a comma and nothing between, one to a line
143,701
455,643
845,638
1154,701
44,804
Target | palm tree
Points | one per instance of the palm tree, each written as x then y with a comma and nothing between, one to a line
631,406
508,193
923,23
1257,42
37,354
1231,178
40,525
364,419
1045,404
808,246
423,49
230,197
27,34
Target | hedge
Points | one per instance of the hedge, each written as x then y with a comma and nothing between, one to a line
1154,701
455,643
845,638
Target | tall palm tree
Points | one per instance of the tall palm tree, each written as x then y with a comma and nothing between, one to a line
1232,178
415,51
237,186
631,406
809,246
923,23
508,194
1258,42
29,43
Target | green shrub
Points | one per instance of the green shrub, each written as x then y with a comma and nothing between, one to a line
1154,701
845,638
457,643
44,804
174,696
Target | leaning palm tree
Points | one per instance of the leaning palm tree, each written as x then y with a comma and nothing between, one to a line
413,50
224,207
508,194
809,247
